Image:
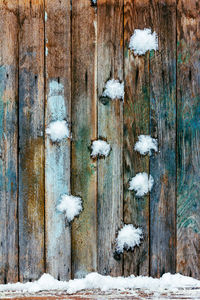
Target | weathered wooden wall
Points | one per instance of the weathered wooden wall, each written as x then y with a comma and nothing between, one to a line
55,58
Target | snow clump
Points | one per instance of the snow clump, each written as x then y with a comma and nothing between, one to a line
146,144
58,130
93,281
143,40
141,184
128,237
114,89
100,148
70,205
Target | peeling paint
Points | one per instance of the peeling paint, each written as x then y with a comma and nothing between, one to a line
57,179
56,102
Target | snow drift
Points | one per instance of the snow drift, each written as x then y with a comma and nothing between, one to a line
167,282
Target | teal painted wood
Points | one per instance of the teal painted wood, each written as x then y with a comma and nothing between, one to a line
136,122
163,127
57,182
57,155
84,130
31,140
8,142
188,138
110,127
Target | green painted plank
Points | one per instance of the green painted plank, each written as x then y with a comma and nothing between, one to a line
31,140
8,141
188,138
110,127
84,129
163,127
136,122
57,155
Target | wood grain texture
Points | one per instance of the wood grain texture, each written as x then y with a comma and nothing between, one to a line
8,141
57,155
136,122
110,127
31,139
188,138
163,127
84,130
56,57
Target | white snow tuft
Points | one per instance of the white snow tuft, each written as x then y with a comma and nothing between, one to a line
143,40
145,144
114,89
141,184
166,283
58,130
128,237
70,205
100,148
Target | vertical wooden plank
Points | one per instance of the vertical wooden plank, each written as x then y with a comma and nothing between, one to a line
110,127
8,141
31,141
188,138
84,129
57,155
163,127
136,122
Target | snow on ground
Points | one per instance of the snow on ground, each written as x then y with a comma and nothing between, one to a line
141,184
114,89
100,148
143,40
58,130
92,281
146,144
128,237
70,205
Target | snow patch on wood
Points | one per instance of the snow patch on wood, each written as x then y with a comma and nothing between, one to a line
58,127
128,237
146,144
141,184
114,89
143,40
71,206
100,148
58,130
